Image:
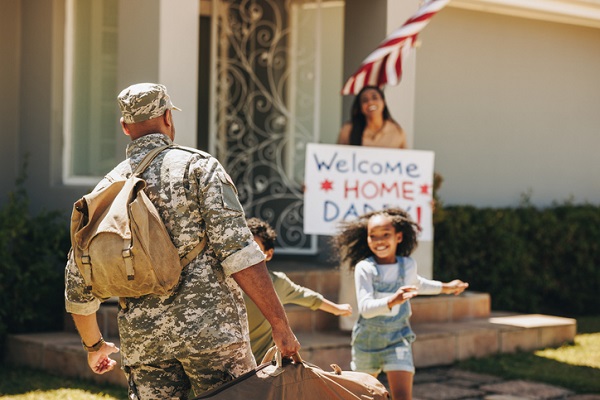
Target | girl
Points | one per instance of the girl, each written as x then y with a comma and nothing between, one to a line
378,245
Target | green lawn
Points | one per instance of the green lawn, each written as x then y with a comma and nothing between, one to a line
18,383
573,366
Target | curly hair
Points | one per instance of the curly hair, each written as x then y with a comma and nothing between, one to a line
263,231
351,244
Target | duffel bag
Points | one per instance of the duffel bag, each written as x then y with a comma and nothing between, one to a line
280,378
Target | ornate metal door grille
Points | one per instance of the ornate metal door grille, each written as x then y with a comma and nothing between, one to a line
258,133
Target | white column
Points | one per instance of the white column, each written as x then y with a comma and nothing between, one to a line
159,42
178,63
401,102
401,98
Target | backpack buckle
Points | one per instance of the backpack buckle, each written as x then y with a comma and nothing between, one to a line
126,253
85,259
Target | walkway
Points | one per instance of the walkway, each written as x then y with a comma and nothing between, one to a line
447,383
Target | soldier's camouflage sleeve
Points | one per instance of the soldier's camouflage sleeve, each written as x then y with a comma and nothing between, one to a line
78,300
226,227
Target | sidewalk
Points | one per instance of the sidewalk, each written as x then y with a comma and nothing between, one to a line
448,383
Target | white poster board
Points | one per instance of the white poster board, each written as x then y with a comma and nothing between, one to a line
343,182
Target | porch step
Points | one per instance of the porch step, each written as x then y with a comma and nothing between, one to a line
426,309
448,308
438,343
443,343
59,353
442,308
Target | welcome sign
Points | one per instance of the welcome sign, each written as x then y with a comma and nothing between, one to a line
343,182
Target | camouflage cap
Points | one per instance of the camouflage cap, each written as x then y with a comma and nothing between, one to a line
144,101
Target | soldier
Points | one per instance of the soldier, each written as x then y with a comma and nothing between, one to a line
197,337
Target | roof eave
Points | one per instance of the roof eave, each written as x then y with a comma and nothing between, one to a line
576,12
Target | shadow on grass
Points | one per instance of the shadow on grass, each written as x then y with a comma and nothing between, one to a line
20,380
528,366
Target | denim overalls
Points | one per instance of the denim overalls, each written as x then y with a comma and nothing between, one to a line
383,342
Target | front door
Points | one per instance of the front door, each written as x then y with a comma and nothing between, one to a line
276,78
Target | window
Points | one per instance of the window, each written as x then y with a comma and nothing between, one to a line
90,111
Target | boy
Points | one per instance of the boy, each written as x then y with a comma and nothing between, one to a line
288,292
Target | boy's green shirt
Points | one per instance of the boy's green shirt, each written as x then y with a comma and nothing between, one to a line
289,293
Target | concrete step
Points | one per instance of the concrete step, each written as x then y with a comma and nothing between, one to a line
59,353
437,344
448,308
444,343
426,309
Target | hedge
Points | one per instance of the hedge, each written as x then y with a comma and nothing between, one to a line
529,259
33,253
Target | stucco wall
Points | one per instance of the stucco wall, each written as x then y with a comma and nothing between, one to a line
9,95
40,108
509,105
358,40
32,40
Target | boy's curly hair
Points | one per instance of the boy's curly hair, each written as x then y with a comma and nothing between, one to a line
351,244
263,231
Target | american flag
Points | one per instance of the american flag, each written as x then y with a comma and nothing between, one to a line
384,65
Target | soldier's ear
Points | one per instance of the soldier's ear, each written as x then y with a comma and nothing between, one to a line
125,127
168,118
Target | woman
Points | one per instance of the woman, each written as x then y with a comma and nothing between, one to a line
371,123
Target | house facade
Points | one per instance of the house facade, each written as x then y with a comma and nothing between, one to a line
506,93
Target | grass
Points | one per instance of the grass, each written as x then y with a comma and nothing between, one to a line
18,383
573,366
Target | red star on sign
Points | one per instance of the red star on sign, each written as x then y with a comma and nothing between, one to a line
326,185
424,189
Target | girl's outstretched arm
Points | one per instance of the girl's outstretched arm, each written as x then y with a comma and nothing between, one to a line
454,287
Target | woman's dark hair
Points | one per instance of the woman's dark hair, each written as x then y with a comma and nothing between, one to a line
351,244
358,119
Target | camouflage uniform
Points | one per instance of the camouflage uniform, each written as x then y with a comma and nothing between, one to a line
202,327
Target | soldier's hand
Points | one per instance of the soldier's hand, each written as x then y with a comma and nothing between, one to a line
286,342
99,361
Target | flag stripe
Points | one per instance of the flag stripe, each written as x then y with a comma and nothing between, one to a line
384,64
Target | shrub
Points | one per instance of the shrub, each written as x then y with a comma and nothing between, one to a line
32,257
528,259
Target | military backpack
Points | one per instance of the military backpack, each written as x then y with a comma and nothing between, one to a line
119,241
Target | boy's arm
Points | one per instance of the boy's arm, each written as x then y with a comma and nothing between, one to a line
336,309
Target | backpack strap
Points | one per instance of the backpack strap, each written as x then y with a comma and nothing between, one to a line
192,254
148,159
155,152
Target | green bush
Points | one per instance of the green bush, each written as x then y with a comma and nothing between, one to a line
528,259
32,258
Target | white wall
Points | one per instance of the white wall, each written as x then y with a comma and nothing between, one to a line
10,42
509,105
159,42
